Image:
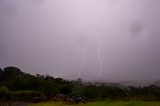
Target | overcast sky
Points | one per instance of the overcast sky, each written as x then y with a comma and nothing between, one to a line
114,40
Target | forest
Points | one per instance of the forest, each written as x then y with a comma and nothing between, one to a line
16,85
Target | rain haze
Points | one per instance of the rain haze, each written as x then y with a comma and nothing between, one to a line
112,40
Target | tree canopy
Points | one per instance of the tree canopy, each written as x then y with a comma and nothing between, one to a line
15,82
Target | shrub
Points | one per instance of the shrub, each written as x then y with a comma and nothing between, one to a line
4,93
25,95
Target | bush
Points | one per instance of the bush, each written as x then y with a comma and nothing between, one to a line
25,95
4,93
150,98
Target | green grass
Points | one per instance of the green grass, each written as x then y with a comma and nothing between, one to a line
100,103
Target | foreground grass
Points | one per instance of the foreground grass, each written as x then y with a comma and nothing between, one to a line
100,103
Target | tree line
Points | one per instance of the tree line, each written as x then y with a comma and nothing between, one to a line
16,85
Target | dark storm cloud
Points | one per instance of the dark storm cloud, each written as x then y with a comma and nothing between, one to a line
71,38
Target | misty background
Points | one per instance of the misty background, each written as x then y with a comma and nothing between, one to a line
111,40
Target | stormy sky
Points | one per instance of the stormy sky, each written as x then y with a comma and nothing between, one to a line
116,40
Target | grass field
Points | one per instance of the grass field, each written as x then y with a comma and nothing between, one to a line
102,103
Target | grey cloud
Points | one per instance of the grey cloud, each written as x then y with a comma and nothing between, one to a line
62,38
